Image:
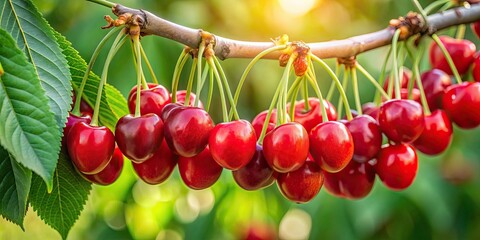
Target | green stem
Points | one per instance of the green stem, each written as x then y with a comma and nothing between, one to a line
447,57
211,63
332,84
316,88
372,80
210,89
136,43
233,107
135,64
430,8
201,49
417,77
395,64
293,93
103,3
381,79
390,84
176,73
305,95
356,92
421,11
190,82
460,31
345,79
144,55
78,99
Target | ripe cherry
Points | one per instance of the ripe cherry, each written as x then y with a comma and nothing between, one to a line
187,130
72,120
139,137
367,137
437,135
256,174
401,120
182,95
460,50
200,171
258,231
476,67
476,28
286,147
355,181
258,121
90,147
462,104
406,77
371,109
152,100
311,118
331,146
167,109
303,184
435,82
110,173
232,144
397,166
159,167
85,109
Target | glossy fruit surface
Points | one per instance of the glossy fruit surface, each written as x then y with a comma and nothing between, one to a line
286,147
437,135
355,181
139,137
167,109
159,167
476,27
182,95
256,174
331,146
371,109
110,173
462,104
397,166
200,171
152,100
311,118
303,184
406,78
72,120
435,82
401,120
258,121
232,144
367,137
461,51
476,67
90,147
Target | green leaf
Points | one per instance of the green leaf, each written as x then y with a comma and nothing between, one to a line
14,186
113,104
27,126
34,36
61,208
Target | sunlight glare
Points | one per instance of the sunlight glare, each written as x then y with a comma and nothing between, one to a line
297,7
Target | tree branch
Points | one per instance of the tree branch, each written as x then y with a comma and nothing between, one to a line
230,48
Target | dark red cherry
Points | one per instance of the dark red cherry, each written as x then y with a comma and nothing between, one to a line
435,82
367,137
371,109
152,100
200,171
110,173
232,144
461,102
159,167
476,28
397,166
72,120
460,50
401,120
258,121
167,109
286,147
139,137
187,130
85,109
90,147
303,184
355,181
437,135
476,67
311,118
182,95
331,146
406,77
257,174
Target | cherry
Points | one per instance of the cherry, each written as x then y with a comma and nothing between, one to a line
72,120
85,109
311,118
355,181
460,50
437,135
401,120
159,167
110,173
200,171
476,67
371,109
303,184
187,130
258,231
152,100
256,174
182,95
139,137
286,147
476,28
397,166
406,77
367,137
435,82
404,94
232,144
168,108
331,146
258,121
90,147
462,104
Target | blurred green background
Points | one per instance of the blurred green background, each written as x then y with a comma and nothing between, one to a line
443,202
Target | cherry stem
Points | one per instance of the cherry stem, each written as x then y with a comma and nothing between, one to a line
395,64
345,79
332,84
460,31
117,43
78,98
190,81
356,93
295,85
136,43
103,3
381,79
417,76
292,94
447,57
149,66
220,88
390,84
337,82
176,73
305,96
372,80
429,9
316,88
233,107
421,11
134,56
210,89
201,50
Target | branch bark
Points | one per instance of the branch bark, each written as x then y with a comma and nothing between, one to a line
230,48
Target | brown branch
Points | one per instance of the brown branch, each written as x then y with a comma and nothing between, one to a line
230,48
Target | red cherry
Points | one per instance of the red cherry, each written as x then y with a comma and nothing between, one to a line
435,82
462,104
72,120
355,181
90,147
159,167
397,166
256,174
232,144
139,137
406,77
331,146
187,130
476,28
476,67
437,135
367,137
85,109
259,231
200,171
286,147
311,118
460,50
167,109
152,100
110,173
182,95
303,184
401,120
371,109
258,121
404,94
